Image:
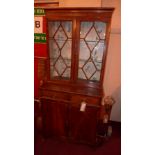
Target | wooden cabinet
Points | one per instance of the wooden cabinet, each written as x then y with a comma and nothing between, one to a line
77,41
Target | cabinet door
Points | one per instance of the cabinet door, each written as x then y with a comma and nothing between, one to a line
92,49
60,48
54,118
83,125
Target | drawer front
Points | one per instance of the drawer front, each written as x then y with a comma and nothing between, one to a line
87,99
56,95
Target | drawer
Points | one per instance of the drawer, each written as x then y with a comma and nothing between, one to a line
56,95
87,99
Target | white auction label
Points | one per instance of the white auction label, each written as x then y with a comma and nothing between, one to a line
83,106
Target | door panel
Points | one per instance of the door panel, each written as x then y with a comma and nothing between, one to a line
54,118
83,124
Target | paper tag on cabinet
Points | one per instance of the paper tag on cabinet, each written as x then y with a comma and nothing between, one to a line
83,106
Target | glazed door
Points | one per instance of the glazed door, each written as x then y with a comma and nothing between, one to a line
91,51
60,49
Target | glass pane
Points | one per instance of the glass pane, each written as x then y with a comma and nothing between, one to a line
81,74
60,37
53,72
85,27
91,44
98,65
83,47
97,53
53,27
92,47
81,63
92,35
67,26
101,29
54,51
67,73
60,45
66,52
96,76
89,69
60,66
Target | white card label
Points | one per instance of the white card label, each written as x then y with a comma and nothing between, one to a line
83,106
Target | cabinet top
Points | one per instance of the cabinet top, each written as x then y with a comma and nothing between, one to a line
83,8
105,12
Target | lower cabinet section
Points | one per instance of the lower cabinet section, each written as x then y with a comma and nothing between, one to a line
65,120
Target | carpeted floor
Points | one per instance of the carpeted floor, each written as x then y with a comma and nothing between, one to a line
111,146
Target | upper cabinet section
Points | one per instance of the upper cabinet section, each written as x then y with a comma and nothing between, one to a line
77,44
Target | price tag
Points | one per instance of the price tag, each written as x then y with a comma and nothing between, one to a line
83,106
